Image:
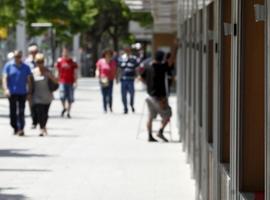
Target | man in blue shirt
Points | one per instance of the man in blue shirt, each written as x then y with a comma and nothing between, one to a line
128,65
16,84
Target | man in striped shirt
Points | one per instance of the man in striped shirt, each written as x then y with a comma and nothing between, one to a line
128,72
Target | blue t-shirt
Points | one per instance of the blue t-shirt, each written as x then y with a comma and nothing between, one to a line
17,76
128,65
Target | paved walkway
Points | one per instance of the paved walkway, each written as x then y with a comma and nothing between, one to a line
93,156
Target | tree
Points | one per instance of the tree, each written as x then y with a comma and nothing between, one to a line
100,18
55,12
9,12
95,19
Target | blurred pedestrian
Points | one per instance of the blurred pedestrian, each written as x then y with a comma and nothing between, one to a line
170,75
128,73
32,52
155,78
42,96
16,85
106,72
67,72
30,61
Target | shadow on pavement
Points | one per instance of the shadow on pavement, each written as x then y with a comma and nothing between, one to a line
24,170
4,116
61,136
84,100
93,89
11,196
72,117
18,153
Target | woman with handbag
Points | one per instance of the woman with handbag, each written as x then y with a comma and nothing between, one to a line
106,72
44,83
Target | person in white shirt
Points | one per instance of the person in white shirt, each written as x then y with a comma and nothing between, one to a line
30,61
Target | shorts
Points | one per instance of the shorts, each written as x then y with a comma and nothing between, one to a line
66,92
155,108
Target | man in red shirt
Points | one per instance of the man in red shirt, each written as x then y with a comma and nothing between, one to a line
67,72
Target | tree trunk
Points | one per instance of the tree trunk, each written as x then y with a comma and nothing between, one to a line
115,38
94,57
115,43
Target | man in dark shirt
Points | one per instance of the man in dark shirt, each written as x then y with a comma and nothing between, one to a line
155,78
128,66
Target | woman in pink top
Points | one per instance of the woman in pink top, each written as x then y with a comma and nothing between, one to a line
106,72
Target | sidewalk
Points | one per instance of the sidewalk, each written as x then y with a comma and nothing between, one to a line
93,156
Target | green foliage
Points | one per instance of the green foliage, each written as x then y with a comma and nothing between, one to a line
55,11
92,17
144,18
82,14
9,12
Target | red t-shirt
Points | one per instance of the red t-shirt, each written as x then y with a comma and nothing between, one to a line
66,70
106,69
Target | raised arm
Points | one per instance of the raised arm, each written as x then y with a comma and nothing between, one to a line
174,52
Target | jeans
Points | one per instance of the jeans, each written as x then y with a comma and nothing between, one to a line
127,86
66,92
41,111
16,111
107,96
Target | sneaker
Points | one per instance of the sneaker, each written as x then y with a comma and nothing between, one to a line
161,136
63,112
125,111
68,116
133,109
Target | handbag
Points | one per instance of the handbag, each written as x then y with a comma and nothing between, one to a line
104,82
52,85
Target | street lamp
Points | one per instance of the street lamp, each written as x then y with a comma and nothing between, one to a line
50,26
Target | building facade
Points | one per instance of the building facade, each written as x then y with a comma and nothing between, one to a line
223,89
223,96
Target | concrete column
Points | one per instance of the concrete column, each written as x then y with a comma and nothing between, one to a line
21,32
76,48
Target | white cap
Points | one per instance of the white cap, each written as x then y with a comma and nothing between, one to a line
10,55
33,48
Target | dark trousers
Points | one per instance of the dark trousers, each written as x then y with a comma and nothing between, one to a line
16,111
107,96
34,116
41,111
127,86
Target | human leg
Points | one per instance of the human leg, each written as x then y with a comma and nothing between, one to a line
110,95
165,114
21,116
103,93
151,115
62,92
34,116
13,112
44,109
70,98
124,95
132,94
